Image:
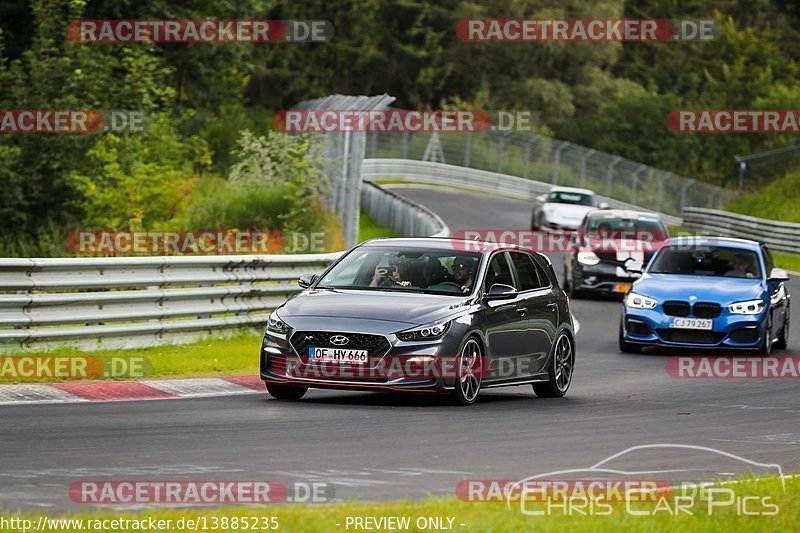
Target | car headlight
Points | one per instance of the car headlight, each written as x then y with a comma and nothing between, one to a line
588,258
638,301
428,332
750,307
277,325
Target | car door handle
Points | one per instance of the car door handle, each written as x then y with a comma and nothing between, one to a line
552,305
522,310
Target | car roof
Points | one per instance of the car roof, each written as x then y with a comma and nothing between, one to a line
625,213
572,189
705,240
442,243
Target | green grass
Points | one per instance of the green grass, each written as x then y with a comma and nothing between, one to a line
233,355
787,261
779,200
496,517
368,229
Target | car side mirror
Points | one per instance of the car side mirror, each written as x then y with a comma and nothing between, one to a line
603,205
306,280
499,291
634,266
778,274
542,198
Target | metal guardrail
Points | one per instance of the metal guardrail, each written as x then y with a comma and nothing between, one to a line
403,216
554,161
137,301
472,179
780,236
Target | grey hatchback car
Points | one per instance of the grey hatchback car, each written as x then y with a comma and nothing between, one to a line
423,315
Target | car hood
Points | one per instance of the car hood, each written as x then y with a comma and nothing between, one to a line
705,288
394,307
567,212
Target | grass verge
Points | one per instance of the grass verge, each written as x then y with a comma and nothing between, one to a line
369,229
776,201
764,495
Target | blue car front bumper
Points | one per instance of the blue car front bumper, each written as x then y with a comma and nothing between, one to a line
651,327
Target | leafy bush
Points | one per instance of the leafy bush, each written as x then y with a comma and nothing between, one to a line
137,180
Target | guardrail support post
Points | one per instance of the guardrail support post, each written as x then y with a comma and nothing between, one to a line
660,194
610,175
501,140
711,198
405,146
557,160
584,159
531,140
684,188
635,182
373,144
467,148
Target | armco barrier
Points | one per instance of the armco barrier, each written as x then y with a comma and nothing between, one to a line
780,236
142,301
403,216
472,179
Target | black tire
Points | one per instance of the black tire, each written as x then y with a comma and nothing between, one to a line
560,369
469,373
765,348
534,223
286,392
625,346
783,339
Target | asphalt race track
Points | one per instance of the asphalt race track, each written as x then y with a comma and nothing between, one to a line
379,446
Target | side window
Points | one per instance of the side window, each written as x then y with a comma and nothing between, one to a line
527,273
768,262
498,272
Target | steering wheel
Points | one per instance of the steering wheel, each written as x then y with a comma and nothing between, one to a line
448,284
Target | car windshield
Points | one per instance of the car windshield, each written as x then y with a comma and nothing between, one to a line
405,270
576,198
707,261
642,228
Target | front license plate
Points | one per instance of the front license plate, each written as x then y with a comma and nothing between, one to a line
691,323
338,355
622,287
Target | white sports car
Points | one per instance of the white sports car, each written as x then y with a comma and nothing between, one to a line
563,208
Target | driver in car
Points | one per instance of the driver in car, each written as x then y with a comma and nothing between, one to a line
740,267
464,273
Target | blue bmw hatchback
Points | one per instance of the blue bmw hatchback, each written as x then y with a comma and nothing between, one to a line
708,292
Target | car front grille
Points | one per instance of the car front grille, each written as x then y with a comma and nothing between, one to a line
706,310
376,345
690,336
677,308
